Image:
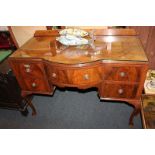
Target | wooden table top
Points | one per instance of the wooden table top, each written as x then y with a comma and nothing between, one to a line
111,44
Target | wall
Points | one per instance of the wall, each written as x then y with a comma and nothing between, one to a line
3,28
88,27
24,33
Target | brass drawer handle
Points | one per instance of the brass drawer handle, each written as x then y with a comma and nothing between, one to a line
54,75
122,74
27,66
120,91
28,70
34,85
86,77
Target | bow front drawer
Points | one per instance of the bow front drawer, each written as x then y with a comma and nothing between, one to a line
74,76
86,76
57,75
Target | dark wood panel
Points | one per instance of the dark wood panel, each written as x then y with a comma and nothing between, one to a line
143,32
147,37
150,48
13,37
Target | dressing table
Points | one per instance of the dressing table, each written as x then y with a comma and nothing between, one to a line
118,69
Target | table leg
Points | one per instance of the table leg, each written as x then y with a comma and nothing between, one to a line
25,95
32,107
136,111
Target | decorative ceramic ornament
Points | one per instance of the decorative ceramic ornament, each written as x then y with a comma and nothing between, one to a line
71,40
75,32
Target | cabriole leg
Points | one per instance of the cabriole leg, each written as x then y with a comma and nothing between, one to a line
29,103
136,111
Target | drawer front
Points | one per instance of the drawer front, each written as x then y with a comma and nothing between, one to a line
57,75
31,69
113,90
31,84
85,76
74,76
31,75
121,72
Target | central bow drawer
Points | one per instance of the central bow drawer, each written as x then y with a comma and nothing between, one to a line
85,76
74,76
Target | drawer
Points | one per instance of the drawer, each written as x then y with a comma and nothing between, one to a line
57,75
31,69
85,76
113,90
31,75
74,76
38,85
119,72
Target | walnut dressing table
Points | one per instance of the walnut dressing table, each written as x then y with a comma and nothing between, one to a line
117,70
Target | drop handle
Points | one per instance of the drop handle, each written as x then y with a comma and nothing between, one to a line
120,91
34,85
54,75
27,66
122,74
28,70
86,77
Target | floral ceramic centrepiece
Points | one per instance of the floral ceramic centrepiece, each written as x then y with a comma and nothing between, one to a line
75,32
72,40
72,37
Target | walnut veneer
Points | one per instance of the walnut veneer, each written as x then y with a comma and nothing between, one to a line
118,73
